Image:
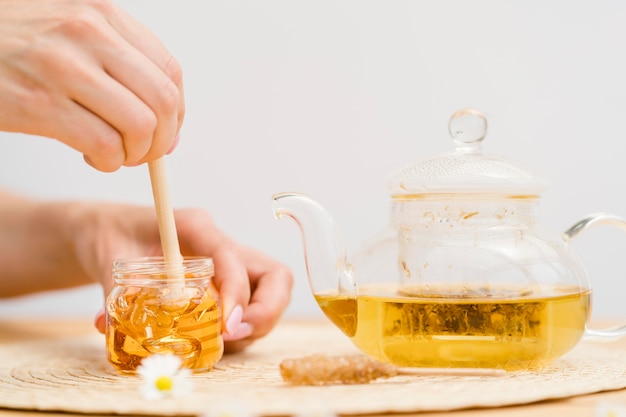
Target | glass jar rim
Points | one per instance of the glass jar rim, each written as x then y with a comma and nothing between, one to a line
155,269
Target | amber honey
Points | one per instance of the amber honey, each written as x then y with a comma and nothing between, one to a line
153,315
431,326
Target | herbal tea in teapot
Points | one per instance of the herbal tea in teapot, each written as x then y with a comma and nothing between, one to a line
436,326
463,275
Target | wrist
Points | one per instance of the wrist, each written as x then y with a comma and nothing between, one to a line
62,225
37,248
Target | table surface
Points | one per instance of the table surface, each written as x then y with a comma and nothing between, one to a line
586,405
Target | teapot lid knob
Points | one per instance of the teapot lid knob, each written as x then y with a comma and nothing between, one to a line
468,128
467,169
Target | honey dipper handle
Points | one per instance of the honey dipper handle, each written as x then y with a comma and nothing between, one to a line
165,213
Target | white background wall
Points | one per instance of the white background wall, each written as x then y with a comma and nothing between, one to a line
327,97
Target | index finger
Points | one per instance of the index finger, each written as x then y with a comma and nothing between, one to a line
272,283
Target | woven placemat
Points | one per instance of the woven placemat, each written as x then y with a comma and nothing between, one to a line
72,375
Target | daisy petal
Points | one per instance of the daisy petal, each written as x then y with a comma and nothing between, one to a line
163,377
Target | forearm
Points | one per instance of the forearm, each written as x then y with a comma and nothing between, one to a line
37,251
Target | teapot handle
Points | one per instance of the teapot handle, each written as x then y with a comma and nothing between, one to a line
575,230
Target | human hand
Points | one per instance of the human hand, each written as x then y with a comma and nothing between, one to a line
89,75
254,288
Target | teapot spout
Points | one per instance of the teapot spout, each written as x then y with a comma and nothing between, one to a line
325,256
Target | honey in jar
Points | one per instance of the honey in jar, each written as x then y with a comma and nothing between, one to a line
150,312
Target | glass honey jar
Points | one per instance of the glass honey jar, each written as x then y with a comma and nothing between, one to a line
157,308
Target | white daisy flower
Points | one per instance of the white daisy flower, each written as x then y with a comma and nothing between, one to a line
164,377
611,409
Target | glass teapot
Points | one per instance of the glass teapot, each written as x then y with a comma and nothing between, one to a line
463,276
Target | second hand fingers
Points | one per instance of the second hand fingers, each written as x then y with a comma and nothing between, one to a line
233,285
273,283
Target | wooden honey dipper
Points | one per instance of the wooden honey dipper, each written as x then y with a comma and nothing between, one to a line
165,219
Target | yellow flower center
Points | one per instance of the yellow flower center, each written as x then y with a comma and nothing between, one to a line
163,383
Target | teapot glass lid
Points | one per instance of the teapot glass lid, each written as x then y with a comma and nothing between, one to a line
467,169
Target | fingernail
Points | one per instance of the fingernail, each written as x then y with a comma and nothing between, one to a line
174,144
234,320
243,330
